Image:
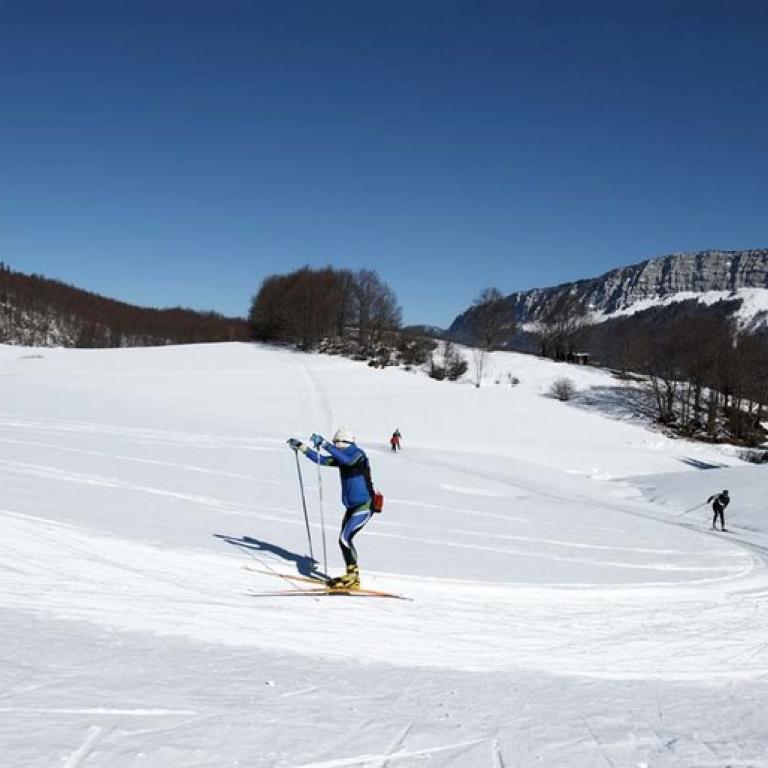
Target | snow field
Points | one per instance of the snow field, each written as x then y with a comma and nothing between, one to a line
568,612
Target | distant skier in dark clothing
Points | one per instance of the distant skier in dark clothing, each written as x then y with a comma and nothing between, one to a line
356,493
719,502
394,441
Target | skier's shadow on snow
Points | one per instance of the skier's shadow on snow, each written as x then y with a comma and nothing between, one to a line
305,565
699,464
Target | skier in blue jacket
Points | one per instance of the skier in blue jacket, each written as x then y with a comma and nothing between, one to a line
356,493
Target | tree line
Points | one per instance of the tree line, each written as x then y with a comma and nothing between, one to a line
310,306
352,313
708,378
91,320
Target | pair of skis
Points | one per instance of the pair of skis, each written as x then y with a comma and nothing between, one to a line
320,588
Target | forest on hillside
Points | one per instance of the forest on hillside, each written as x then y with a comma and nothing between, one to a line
706,374
36,310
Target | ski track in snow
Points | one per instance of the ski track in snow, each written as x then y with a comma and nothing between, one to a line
471,491
371,760
99,711
79,756
139,436
456,540
71,573
225,507
140,460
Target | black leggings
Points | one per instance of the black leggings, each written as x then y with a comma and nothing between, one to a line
718,513
351,525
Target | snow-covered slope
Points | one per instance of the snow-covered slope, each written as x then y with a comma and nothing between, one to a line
752,312
562,613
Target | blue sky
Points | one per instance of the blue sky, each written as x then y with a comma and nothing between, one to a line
176,153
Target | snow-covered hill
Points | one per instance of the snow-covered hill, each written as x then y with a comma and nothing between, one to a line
564,611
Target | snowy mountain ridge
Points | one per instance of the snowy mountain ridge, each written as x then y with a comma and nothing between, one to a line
660,280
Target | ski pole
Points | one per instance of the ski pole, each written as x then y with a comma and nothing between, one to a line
304,504
322,517
692,508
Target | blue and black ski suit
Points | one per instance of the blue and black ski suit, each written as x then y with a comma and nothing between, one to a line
356,491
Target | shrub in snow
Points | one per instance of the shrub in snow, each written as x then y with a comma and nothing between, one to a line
436,371
383,356
754,456
446,363
414,349
562,389
457,369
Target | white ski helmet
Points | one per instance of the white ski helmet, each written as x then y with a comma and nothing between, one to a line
343,435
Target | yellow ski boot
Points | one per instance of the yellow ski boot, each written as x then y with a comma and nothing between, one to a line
350,580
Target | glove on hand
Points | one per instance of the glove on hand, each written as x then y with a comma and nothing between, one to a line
294,443
317,440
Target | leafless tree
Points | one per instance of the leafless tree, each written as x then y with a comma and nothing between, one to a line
447,363
559,326
748,388
489,320
377,307
310,305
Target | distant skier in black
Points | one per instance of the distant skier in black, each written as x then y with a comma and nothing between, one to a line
719,502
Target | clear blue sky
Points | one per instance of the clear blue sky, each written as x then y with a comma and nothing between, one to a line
170,153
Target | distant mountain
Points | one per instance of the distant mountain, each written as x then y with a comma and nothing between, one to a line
36,311
432,331
707,275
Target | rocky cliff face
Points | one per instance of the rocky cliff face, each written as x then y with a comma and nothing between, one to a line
654,279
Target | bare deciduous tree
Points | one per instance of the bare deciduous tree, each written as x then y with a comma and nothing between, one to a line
377,307
309,305
489,321
449,363
559,326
